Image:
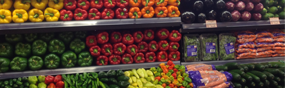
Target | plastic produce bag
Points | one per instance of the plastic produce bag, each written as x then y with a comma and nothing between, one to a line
209,48
200,67
226,46
246,45
191,47
209,79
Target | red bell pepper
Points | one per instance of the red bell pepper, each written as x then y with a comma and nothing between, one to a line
162,56
98,4
116,37
132,49
109,4
107,14
102,60
80,14
91,40
138,36
174,56
127,59
143,46
83,4
95,51
59,84
94,14
173,46
70,4
162,33
174,36
49,79
107,49
174,75
148,35
150,57
66,15
128,39
57,78
122,13
122,3
139,58
170,63
119,48
51,85
163,45
152,46
103,37
115,59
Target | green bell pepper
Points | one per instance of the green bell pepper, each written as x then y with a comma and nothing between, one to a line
23,50
123,84
111,73
4,64
77,45
68,59
19,64
85,59
31,37
80,34
102,74
158,69
46,36
39,47
113,80
35,62
184,83
6,50
13,38
32,79
52,61
66,37
119,73
56,46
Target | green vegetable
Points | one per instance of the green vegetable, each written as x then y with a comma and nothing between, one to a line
260,85
266,83
22,49
247,77
123,84
123,78
238,71
32,79
77,45
39,47
102,74
85,59
114,86
277,79
209,40
41,78
52,61
236,76
119,73
18,64
35,62
242,81
226,41
111,73
80,34
42,85
113,80
237,85
31,37
13,38
254,77
56,46
184,83
4,64
191,41
259,67
66,37
251,84
187,79
46,36
259,74
232,65
68,59
221,68
6,50
158,69
33,86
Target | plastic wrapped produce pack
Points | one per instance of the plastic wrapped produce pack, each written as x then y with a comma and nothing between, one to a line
191,47
209,49
226,46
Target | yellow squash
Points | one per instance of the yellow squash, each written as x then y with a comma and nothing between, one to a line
5,4
5,16
56,4
36,15
22,4
39,4
52,14
20,16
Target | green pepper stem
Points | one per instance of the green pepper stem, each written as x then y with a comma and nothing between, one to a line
163,33
160,13
120,49
128,38
79,14
150,57
108,50
95,50
127,59
136,1
96,1
3,16
164,45
116,36
102,61
160,1
173,12
2,1
66,16
55,1
82,3
122,13
136,14
110,1
50,14
142,46
115,59
133,50
147,1
139,58
36,15
93,14
178,2
108,13
122,1
19,15
139,36
174,47
69,3
149,34
174,35
153,46
174,56
91,41
163,56
103,37
51,62
147,11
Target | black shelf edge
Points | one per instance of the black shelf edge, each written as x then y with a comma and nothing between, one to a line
80,69
242,61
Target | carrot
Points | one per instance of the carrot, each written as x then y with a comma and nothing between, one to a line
222,85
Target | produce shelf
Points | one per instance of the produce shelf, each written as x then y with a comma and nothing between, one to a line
80,70
230,26
243,61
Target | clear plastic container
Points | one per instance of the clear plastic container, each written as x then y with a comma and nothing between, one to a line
209,47
191,47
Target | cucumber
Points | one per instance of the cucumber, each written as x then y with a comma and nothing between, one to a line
237,85
250,66
254,77
247,77
242,81
265,65
279,86
269,75
245,68
238,71
266,83
277,79
236,76
259,67
273,83
275,72
232,65
259,74
282,69
251,84
259,85
221,68
274,65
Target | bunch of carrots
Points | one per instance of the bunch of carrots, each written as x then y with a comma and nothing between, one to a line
245,45
279,43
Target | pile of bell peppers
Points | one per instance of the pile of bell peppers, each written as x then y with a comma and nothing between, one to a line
171,76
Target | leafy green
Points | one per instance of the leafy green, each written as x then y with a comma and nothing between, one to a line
208,38
190,40
226,38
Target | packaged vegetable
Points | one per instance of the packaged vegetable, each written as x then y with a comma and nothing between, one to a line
209,79
191,47
245,34
246,45
200,67
226,46
245,50
264,34
264,44
209,49
264,39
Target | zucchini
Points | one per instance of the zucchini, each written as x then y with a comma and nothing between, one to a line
259,67
232,65
282,69
237,85
236,76
274,65
277,79
247,77
266,83
273,83
251,84
250,66
221,68
275,72
265,65
259,85
242,81
254,77
269,75
245,68
238,71
259,74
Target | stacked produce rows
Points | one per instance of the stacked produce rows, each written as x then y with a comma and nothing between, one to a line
66,10
273,8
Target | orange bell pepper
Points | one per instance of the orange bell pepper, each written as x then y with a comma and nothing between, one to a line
161,2
147,12
135,3
163,85
173,11
135,12
173,2
161,11
148,2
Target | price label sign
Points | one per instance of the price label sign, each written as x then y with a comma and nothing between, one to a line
274,20
211,23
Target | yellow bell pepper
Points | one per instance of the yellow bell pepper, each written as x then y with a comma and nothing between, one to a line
51,14
22,4
5,16
5,4
20,16
56,4
39,4
36,15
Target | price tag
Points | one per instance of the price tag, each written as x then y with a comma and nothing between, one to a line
274,20
211,23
